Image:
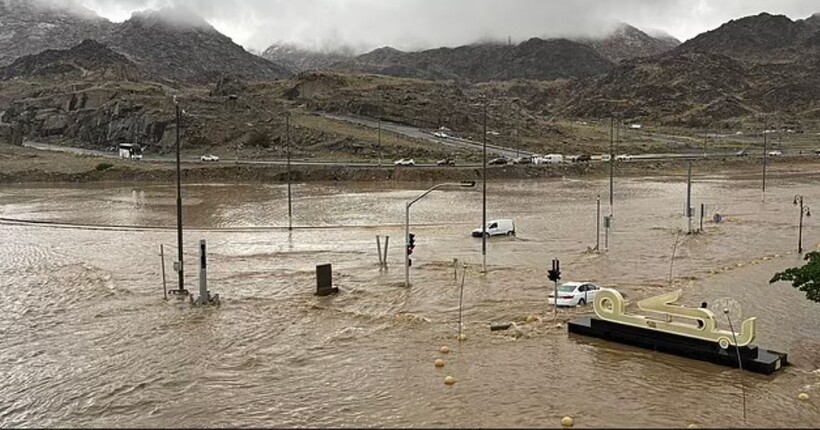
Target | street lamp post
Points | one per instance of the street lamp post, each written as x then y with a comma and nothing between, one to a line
804,210
484,195
410,203
181,271
287,145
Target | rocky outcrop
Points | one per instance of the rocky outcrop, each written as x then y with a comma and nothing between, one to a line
29,27
88,60
534,59
627,42
171,44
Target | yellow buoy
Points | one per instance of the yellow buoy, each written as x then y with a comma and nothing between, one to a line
462,336
531,319
445,349
439,362
803,396
567,422
693,426
449,380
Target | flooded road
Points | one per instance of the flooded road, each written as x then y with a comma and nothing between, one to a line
86,339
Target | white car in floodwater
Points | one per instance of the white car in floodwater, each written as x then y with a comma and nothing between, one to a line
574,293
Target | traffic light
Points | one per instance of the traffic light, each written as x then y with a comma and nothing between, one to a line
412,241
555,274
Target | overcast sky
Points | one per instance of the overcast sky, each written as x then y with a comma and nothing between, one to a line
417,24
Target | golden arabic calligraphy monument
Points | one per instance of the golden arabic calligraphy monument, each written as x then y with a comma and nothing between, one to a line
665,326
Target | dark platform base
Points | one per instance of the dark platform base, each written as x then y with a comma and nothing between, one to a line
753,359
327,292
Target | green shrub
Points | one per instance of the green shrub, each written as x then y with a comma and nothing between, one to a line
102,167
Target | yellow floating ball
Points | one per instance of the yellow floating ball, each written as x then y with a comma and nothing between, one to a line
531,319
445,349
567,422
462,336
449,380
803,396
439,362
692,426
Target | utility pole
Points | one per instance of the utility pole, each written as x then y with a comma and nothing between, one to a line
611,164
379,146
484,194
598,225
287,144
804,210
689,197
181,268
765,155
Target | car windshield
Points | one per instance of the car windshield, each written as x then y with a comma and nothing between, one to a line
567,288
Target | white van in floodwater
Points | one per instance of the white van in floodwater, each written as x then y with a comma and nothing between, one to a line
505,227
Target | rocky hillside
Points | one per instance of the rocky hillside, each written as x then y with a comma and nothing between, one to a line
762,38
754,66
189,51
172,43
627,42
88,60
299,60
28,27
534,59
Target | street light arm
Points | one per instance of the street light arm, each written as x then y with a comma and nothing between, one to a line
446,184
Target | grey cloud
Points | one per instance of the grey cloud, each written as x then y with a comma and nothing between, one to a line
416,24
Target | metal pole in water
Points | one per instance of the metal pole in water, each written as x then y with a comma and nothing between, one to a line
765,156
611,164
739,362
484,195
379,249
461,304
380,142
204,297
689,197
598,225
287,142
181,271
162,258
386,242
702,215
407,245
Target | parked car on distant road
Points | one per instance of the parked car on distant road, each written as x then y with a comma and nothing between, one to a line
209,158
817,151
623,157
575,294
405,162
551,159
441,134
775,153
498,161
505,227
523,160
741,153
583,158
446,162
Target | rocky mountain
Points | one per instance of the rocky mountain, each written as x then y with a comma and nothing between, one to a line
171,43
190,50
299,60
534,59
28,27
88,60
627,42
762,38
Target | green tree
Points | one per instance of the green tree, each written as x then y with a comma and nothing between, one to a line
806,278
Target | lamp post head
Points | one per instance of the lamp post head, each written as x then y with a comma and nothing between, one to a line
798,198
808,212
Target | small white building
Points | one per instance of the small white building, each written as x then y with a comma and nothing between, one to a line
131,151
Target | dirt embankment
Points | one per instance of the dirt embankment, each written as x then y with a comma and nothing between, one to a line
19,165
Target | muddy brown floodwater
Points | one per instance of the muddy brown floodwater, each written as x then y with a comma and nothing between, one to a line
87,340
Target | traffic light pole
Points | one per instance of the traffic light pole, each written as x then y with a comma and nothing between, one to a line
407,244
